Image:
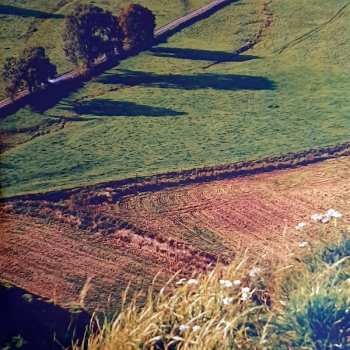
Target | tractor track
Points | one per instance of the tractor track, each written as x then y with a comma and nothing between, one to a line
267,22
313,31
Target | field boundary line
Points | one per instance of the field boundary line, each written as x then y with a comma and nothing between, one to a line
131,186
250,44
313,31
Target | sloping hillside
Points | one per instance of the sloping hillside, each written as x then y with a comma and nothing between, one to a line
179,106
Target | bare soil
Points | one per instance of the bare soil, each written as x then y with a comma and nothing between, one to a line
51,246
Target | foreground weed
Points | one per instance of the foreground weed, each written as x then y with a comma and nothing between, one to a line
245,305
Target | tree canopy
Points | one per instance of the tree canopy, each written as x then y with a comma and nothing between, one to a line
89,33
30,70
138,24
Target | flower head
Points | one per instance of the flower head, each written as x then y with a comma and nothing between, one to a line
196,328
254,271
300,226
303,244
316,217
192,281
225,283
236,282
332,213
245,293
181,281
183,328
227,300
324,218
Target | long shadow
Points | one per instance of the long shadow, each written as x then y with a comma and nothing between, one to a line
24,12
189,82
40,324
44,100
110,108
200,55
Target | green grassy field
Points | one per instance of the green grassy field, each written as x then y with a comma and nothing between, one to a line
164,110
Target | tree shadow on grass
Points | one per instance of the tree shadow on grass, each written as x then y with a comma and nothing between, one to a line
110,108
24,12
215,81
42,101
200,55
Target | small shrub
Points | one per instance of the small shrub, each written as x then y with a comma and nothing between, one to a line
336,252
322,321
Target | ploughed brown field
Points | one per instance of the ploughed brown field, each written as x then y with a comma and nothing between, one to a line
50,248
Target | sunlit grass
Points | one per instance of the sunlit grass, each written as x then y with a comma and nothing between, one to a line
164,110
40,22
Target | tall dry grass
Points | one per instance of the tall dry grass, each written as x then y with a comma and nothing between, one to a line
300,302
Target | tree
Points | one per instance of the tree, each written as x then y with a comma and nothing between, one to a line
30,70
138,24
89,33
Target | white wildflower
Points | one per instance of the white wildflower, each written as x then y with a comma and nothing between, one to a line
254,271
332,213
245,293
227,327
227,300
300,226
225,283
325,219
181,281
176,338
303,244
196,328
183,328
236,282
192,281
224,323
316,217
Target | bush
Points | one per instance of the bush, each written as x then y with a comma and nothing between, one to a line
336,252
317,321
